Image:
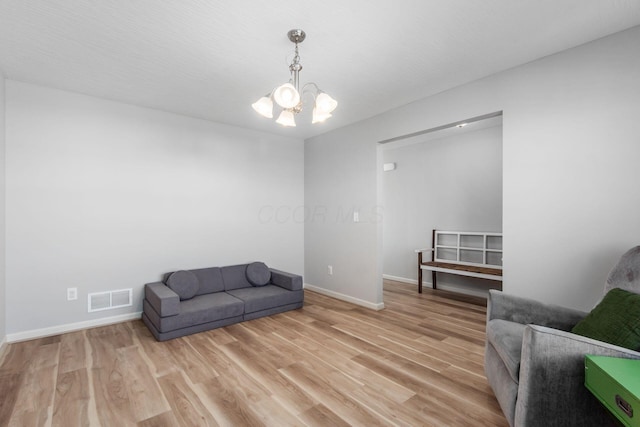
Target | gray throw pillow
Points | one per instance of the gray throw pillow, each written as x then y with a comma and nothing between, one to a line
258,274
184,283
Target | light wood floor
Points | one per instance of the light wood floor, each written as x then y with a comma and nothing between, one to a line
416,363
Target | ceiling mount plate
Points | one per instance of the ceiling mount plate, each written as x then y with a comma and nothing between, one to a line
296,36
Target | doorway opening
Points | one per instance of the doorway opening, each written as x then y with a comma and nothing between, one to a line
446,178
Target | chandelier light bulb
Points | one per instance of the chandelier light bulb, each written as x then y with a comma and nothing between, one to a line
286,118
264,107
319,116
286,96
325,103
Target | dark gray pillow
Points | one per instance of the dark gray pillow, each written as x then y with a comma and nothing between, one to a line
184,283
258,274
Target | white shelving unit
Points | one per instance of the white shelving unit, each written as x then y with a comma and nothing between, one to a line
469,248
466,253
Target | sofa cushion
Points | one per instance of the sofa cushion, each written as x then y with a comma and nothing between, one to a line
200,309
258,274
616,320
235,277
506,339
184,283
210,280
264,297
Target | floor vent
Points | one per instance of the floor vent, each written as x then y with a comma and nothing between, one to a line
99,301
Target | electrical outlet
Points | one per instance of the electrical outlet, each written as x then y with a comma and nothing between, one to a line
330,270
72,294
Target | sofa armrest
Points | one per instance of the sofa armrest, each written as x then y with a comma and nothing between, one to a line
292,282
551,383
528,311
163,300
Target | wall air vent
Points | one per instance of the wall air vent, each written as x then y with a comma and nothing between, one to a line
99,301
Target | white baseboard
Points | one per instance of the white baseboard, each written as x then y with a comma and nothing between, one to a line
70,327
466,291
343,297
443,286
404,280
3,347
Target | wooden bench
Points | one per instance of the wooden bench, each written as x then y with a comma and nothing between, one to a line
465,253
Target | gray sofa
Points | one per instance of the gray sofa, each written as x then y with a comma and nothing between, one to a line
535,365
191,301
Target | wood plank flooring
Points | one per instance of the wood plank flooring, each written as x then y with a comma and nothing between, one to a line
418,362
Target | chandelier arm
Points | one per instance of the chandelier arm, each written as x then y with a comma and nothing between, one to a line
304,88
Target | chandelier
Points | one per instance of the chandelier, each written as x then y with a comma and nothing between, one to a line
289,97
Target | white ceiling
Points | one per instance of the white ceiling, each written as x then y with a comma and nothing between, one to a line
211,59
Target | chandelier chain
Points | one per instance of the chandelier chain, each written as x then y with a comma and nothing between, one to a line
295,64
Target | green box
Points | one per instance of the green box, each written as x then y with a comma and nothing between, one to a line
616,383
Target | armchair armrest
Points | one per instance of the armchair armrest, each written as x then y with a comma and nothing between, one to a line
163,300
292,282
551,390
528,311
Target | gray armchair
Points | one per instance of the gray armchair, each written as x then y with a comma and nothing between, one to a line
536,367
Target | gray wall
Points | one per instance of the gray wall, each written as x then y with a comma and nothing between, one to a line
570,150
3,300
448,183
105,196
340,177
